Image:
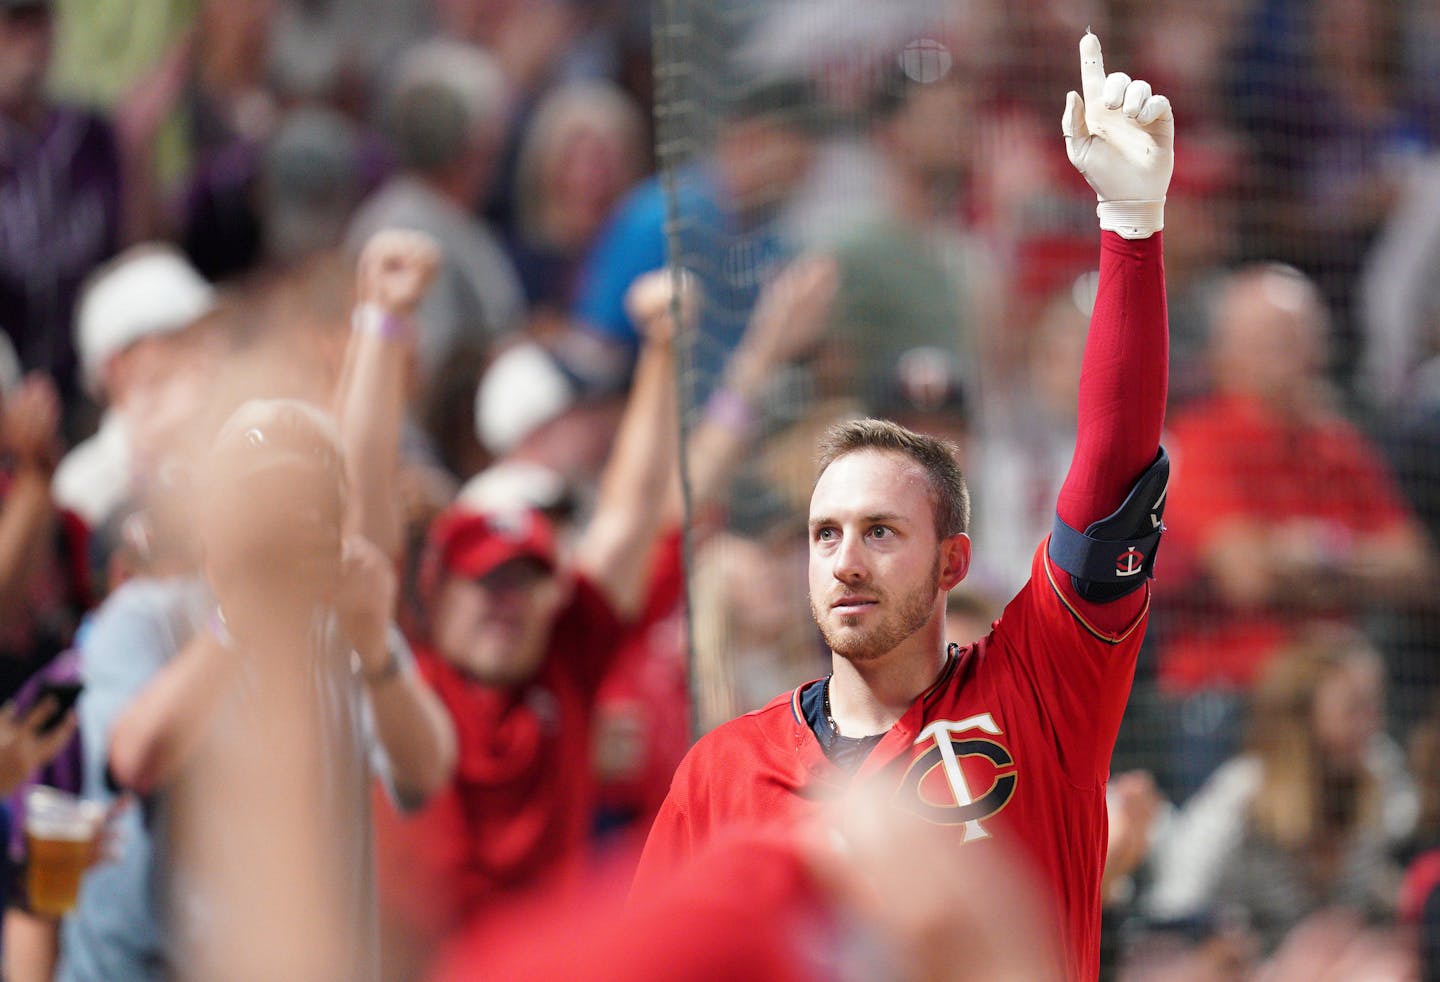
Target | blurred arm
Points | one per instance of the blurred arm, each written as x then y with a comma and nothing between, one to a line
370,412
614,552
1134,804
789,320
1297,564
27,513
27,523
1394,564
32,946
410,721
25,747
1396,284
139,118
416,732
167,721
395,270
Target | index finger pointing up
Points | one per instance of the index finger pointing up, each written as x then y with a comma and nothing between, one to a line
1092,69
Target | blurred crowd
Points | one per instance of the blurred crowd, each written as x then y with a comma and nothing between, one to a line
371,552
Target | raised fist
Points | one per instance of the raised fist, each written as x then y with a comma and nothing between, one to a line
396,268
1121,137
649,302
30,422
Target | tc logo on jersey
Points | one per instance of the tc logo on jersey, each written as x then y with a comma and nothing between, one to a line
945,798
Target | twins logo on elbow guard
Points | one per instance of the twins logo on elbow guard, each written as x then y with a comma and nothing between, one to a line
935,787
1131,562
1116,555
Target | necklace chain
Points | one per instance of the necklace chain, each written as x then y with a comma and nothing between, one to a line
950,652
829,717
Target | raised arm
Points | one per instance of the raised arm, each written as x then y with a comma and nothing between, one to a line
411,723
27,514
1121,138
788,322
614,552
168,720
395,271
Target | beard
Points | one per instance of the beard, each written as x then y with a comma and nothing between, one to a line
910,612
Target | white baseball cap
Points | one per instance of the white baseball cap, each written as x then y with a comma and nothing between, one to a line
522,390
511,485
147,290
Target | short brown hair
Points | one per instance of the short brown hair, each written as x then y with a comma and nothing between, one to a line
939,458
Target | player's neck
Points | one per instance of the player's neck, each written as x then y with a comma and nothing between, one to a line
870,697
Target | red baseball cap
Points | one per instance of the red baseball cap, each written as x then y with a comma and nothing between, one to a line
471,544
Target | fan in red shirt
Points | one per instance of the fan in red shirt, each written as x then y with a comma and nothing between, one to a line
1009,738
518,644
643,708
1285,512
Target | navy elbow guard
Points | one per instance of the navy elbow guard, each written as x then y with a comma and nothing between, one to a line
1116,555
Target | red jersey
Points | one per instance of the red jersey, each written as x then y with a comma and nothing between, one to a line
517,814
1011,743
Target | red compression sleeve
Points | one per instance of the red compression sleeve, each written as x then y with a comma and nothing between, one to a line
1123,381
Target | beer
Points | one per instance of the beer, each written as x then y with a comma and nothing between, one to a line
60,832
52,879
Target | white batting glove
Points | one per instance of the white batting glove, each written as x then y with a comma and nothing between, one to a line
1121,138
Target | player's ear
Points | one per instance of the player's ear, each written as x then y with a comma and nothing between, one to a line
954,560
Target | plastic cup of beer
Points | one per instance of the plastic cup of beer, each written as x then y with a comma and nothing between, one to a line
60,831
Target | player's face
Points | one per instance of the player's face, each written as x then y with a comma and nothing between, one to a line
875,560
495,629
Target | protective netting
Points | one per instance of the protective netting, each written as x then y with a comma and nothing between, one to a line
916,147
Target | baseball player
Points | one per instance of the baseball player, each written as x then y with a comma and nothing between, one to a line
1009,738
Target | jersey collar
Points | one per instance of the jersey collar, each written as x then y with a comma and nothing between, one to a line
902,734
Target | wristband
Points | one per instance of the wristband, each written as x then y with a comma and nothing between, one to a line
730,412
396,654
374,320
385,672
1132,219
